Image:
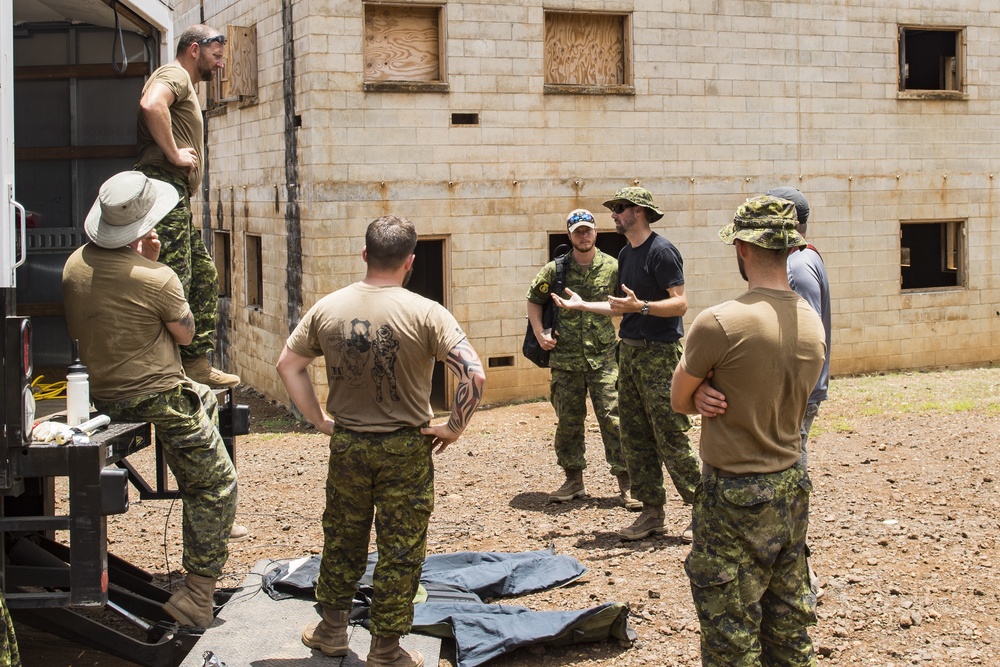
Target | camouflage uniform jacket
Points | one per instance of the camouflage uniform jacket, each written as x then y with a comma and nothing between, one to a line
586,341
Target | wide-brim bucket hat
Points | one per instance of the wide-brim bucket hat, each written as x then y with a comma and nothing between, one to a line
639,197
128,205
766,221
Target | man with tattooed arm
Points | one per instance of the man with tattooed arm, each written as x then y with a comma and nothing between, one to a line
379,342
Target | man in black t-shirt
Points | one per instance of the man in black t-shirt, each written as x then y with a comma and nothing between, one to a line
651,301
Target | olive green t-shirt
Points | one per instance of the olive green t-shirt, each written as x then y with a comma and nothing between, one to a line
186,124
117,303
379,345
765,350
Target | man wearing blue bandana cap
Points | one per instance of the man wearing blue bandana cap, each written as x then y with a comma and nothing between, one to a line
582,359
747,565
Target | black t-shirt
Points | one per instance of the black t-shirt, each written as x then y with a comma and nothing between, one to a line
649,271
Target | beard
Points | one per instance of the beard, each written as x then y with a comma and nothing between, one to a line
743,270
205,69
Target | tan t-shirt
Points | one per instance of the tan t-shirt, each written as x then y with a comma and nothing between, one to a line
186,124
766,350
379,345
117,302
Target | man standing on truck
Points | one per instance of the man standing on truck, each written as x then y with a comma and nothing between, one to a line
380,443
172,148
129,313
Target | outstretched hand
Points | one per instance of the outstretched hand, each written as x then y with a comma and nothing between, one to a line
625,304
572,303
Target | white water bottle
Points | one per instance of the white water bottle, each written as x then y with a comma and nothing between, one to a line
77,390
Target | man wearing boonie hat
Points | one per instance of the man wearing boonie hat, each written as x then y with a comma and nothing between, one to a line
807,276
582,359
129,313
651,301
764,351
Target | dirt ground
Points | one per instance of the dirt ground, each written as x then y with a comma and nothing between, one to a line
904,525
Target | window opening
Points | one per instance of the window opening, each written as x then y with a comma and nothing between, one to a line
404,47
222,251
930,59
255,272
587,53
932,255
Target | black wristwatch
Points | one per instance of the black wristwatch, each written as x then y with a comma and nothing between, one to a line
645,308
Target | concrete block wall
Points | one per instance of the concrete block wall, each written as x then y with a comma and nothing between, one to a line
730,100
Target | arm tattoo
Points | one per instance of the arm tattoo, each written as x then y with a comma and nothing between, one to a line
464,362
188,322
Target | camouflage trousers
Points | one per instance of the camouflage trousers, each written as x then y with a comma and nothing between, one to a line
569,398
653,435
182,248
185,421
748,571
9,655
388,477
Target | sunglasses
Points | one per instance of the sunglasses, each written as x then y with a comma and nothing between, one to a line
221,39
619,208
580,217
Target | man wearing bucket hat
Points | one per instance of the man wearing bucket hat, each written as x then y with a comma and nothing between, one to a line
129,313
172,148
807,276
582,359
651,301
764,350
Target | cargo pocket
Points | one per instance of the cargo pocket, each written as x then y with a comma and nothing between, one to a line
709,571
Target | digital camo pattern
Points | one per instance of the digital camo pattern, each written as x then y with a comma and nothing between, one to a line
653,435
9,655
585,341
747,569
768,222
185,421
388,477
182,248
569,398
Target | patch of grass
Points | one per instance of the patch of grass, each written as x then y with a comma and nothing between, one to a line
276,424
895,395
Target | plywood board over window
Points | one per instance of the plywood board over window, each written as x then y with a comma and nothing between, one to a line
404,47
239,78
589,53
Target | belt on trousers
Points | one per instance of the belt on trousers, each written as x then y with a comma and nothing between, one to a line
643,342
707,470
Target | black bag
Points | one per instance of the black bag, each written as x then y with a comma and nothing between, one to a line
550,317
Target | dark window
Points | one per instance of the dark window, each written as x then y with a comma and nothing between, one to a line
932,254
930,59
222,250
255,272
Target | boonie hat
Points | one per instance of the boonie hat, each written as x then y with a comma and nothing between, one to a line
639,197
580,217
796,197
766,221
128,205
